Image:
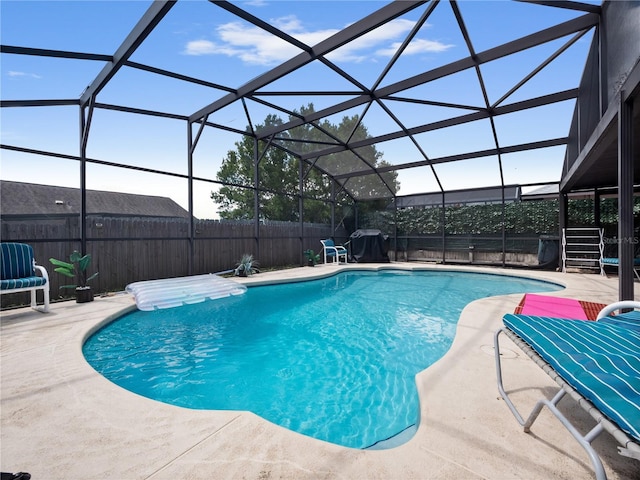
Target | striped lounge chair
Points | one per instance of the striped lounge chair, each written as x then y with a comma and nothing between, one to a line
18,272
596,362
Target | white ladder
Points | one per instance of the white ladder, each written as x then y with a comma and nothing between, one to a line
583,247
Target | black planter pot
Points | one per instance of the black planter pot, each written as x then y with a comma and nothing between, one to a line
84,295
311,263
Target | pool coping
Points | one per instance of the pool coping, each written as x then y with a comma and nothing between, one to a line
61,419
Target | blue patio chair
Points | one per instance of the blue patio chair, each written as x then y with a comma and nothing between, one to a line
615,262
333,251
18,272
595,362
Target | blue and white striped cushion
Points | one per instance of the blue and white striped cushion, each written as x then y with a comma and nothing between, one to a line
16,261
601,360
616,261
28,282
627,320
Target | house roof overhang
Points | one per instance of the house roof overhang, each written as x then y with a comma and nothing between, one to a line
597,163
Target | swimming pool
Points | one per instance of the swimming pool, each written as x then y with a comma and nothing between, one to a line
334,359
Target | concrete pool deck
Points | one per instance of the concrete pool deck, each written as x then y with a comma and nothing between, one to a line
62,420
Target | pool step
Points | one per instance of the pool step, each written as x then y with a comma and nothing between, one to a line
395,440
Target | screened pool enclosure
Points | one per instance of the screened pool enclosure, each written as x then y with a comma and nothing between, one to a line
275,125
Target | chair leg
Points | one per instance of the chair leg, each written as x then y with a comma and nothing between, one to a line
34,302
46,298
583,440
34,298
503,393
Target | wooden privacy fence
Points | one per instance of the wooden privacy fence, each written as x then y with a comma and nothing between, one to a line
127,250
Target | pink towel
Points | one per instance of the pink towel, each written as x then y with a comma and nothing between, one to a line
558,307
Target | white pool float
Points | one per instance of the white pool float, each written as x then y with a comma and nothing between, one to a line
174,292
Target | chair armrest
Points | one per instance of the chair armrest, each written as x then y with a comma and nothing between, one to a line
617,306
43,272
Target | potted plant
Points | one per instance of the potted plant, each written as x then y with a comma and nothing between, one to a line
312,258
246,266
77,268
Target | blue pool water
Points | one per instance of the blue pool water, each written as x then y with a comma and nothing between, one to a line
334,359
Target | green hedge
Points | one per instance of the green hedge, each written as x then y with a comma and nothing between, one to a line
539,217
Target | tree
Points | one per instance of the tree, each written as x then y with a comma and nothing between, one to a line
279,172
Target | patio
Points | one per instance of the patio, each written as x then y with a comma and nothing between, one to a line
61,420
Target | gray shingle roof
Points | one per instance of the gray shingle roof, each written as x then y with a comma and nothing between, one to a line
29,199
545,191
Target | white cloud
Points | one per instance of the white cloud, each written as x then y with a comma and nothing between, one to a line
13,73
256,47
288,23
200,47
253,45
419,45
363,48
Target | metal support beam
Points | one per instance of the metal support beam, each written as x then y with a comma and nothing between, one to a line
348,34
395,230
86,115
554,142
151,18
539,38
333,207
443,225
41,52
84,127
256,196
37,103
580,6
192,225
503,221
301,176
596,208
563,218
625,199
450,122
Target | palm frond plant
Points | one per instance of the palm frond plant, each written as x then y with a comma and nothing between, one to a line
313,258
246,266
76,268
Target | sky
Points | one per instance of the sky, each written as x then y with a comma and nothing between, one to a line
201,40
